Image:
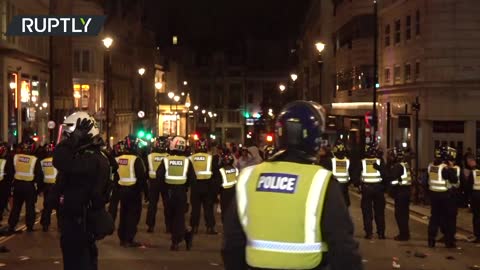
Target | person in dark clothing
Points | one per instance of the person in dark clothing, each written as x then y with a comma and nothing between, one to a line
257,228
325,158
115,196
175,175
6,175
474,180
28,172
442,180
204,188
229,176
49,178
397,173
81,189
132,182
373,188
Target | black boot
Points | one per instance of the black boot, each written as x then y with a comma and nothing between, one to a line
381,236
431,243
174,247
150,229
189,240
211,231
368,236
45,229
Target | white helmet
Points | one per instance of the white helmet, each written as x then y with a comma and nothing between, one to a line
70,123
178,144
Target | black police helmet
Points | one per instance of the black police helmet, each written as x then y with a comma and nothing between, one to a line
299,126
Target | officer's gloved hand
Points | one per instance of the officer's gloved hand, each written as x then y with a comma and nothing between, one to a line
81,132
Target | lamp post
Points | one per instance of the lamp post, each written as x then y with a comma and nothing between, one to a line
187,105
320,46
176,99
141,71
375,69
170,96
158,87
195,111
107,43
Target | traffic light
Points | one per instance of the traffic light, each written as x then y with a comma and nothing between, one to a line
195,137
249,135
140,134
269,138
149,136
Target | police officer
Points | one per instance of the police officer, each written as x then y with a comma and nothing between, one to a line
442,180
397,172
115,197
159,151
229,176
49,179
6,173
372,187
132,182
266,229
203,189
340,169
175,175
27,177
82,189
471,164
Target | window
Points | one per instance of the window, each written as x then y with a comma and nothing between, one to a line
408,72
397,73
174,40
387,76
82,61
397,31
408,28
76,61
387,35
417,23
417,70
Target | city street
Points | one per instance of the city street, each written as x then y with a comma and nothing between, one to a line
40,250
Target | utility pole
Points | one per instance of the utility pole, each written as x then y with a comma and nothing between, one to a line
375,70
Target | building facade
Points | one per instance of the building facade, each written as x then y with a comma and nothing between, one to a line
24,95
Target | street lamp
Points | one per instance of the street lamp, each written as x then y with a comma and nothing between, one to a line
282,87
320,46
195,107
107,62
171,95
141,71
188,103
185,83
293,76
158,85
45,105
176,98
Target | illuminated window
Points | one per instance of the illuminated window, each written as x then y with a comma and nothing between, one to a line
25,91
81,93
175,40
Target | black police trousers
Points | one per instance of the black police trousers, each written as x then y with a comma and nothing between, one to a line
114,201
401,195
154,193
475,204
78,246
346,196
443,215
4,195
202,194
47,208
130,211
23,192
373,207
226,197
176,208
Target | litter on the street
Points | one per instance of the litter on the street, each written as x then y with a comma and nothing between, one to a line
395,263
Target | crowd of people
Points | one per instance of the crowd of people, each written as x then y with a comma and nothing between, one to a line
80,176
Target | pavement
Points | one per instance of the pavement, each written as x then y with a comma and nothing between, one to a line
39,250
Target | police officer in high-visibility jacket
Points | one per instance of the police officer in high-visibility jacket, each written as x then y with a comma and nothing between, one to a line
289,212
474,181
159,151
176,174
397,173
373,198
6,175
27,180
442,179
204,190
49,179
132,182
340,169
229,176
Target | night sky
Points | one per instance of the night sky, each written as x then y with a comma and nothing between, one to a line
218,21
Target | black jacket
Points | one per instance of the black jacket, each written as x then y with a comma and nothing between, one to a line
336,224
85,175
